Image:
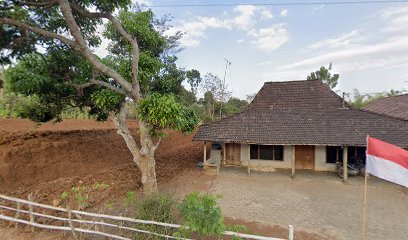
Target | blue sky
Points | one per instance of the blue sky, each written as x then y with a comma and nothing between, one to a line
367,43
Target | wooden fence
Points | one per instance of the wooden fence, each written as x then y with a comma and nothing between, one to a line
62,219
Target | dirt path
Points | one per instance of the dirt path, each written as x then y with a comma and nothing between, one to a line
317,202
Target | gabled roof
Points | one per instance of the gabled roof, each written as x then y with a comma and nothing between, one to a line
395,106
304,113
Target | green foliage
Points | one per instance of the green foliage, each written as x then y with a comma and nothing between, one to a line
48,18
130,198
161,111
194,79
361,101
234,105
236,228
110,205
325,76
106,99
76,113
79,196
157,71
155,207
201,215
64,195
51,76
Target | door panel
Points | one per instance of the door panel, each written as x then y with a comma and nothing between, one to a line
233,155
304,157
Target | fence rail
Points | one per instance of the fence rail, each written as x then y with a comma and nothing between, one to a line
32,206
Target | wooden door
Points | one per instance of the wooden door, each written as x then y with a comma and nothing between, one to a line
233,155
304,157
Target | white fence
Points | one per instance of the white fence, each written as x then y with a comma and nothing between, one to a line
29,212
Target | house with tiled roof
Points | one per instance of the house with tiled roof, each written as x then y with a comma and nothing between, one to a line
394,106
299,125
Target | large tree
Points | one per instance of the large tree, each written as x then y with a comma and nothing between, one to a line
140,67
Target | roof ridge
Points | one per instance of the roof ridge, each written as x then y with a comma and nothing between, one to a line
290,81
381,114
335,94
393,96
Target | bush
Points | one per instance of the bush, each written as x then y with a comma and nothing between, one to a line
156,207
201,215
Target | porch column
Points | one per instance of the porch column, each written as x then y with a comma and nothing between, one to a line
224,154
345,162
205,153
293,161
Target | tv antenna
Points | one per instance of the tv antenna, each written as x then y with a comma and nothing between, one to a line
227,64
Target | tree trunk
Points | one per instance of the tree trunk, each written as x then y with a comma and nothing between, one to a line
143,156
148,168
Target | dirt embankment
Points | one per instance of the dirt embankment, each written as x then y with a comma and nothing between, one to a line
48,159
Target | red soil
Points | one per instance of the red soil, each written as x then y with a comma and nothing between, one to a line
80,153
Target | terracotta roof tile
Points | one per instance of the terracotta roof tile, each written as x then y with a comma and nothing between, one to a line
303,112
395,106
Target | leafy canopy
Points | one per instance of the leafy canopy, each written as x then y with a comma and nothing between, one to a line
162,111
55,77
324,75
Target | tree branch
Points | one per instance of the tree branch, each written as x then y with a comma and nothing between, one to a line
86,52
119,28
42,32
93,82
123,130
156,145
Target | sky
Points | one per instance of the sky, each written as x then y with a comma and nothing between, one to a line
367,43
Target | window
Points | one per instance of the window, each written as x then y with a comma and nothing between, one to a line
334,154
354,153
266,152
254,152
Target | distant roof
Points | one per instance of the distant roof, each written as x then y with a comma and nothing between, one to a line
303,112
395,106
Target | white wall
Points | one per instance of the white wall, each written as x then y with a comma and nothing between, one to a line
266,165
320,160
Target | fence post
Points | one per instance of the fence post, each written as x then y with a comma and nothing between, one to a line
70,223
291,233
17,215
31,210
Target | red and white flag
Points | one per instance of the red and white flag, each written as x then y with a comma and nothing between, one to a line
387,161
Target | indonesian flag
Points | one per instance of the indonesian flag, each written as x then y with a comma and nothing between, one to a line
387,161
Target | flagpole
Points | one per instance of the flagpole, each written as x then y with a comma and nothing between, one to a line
365,198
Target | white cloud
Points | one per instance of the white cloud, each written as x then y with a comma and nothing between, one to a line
244,18
360,57
346,39
397,19
271,38
195,30
266,14
354,51
239,41
284,13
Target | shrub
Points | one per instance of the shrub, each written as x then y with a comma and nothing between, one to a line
201,215
156,207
